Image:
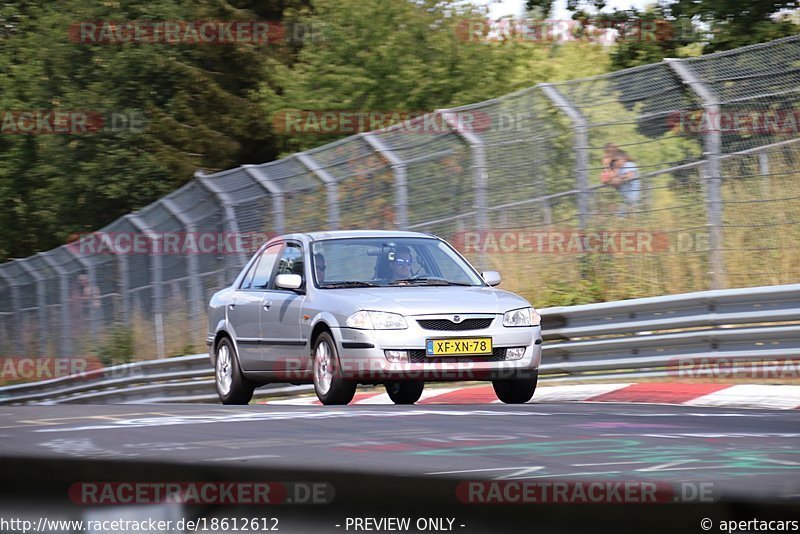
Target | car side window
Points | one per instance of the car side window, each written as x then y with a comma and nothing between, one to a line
261,273
291,261
248,279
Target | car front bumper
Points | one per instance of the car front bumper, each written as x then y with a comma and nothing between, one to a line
362,354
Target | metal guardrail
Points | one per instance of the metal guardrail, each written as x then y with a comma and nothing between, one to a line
649,337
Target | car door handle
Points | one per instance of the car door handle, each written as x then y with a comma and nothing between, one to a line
232,305
267,304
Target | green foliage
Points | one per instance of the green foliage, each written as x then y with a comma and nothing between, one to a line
680,28
736,23
386,56
573,293
196,102
117,347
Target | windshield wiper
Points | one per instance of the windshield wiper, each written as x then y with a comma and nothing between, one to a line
427,282
347,283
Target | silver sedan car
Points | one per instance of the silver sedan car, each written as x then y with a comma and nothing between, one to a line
338,309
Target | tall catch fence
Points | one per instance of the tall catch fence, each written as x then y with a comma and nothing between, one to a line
513,182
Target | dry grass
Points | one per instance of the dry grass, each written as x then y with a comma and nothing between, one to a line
761,242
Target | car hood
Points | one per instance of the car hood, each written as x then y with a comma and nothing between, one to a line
408,300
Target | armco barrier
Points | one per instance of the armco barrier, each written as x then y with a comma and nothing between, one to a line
626,339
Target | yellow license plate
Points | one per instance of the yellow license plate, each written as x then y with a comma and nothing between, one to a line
458,346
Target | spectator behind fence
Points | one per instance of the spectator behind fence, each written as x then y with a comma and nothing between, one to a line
620,171
608,155
630,185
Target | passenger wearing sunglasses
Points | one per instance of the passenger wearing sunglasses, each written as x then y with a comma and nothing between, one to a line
401,265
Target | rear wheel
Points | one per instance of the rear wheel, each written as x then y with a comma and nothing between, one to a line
232,386
405,392
515,390
329,384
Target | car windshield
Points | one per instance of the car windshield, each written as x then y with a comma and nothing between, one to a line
389,262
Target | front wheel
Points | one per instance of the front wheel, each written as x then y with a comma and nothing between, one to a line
232,386
515,390
329,384
405,392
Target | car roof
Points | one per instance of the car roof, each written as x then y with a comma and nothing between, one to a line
339,234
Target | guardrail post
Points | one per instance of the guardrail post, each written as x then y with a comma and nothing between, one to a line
480,174
66,316
581,128
156,277
330,187
400,177
196,304
230,219
713,152
261,178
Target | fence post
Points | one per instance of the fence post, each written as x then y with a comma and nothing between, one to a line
196,304
125,288
330,187
713,152
156,276
41,304
12,287
400,177
94,319
581,128
763,162
230,218
480,174
66,316
260,177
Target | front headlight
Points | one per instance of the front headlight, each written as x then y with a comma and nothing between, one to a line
521,317
376,320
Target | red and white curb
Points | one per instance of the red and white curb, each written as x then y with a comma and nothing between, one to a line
776,397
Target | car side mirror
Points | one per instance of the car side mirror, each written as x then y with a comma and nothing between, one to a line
491,277
288,281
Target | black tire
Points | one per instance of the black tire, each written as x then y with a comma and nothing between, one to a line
407,392
515,390
339,391
241,389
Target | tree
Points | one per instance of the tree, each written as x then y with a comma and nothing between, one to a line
736,23
386,56
196,102
679,27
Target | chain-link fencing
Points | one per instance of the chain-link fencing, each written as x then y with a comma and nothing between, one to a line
521,183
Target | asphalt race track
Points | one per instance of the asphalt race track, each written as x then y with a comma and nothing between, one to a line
717,461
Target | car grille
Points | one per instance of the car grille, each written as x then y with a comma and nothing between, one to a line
419,356
475,323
